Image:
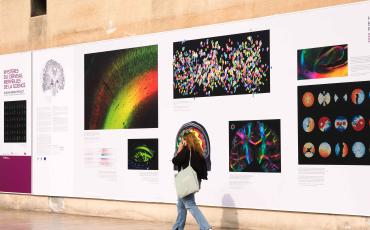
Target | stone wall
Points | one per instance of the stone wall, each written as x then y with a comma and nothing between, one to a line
71,22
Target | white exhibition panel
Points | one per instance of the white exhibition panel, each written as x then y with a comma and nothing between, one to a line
53,117
71,161
16,75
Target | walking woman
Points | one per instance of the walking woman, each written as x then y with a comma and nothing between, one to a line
190,146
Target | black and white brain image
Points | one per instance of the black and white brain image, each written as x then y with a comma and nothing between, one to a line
53,77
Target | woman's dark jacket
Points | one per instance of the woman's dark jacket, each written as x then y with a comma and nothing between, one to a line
198,163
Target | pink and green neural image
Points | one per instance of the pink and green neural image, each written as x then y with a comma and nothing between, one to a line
254,146
323,62
121,89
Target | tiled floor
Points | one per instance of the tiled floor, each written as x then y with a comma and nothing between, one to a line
27,220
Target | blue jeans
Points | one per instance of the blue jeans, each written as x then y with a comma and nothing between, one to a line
188,203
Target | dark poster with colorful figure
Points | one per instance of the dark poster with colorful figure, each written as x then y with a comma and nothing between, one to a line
225,65
323,62
254,146
121,89
333,124
143,154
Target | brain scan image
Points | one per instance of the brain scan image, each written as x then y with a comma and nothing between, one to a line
358,96
202,137
308,150
358,123
308,99
324,150
358,149
308,124
254,146
143,154
341,149
341,123
53,77
324,124
324,98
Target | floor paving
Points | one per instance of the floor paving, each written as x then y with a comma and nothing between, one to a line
29,220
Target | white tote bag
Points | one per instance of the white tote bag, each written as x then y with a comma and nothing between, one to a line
186,181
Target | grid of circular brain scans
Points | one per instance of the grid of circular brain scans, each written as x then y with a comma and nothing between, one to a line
333,124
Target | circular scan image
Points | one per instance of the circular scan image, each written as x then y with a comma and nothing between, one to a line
308,150
308,124
308,99
324,150
324,98
358,149
341,149
324,124
358,123
358,96
341,123
201,136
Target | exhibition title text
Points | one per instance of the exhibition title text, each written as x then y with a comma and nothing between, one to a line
13,79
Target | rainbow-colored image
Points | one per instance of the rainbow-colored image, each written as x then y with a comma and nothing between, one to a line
254,146
121,89
323,62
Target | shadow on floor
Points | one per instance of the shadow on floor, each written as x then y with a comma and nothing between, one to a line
229,215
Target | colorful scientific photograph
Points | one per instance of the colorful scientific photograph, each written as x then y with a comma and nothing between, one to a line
143,154
121,89
201,137
341,149
333,124
225,65
308,149
308,124
15,121
323,62
255,146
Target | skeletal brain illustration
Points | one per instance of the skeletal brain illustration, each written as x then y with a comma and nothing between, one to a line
53,77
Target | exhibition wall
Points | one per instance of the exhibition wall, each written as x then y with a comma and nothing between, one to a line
282,99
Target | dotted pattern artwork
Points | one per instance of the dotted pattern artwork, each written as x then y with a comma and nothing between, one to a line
15,121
